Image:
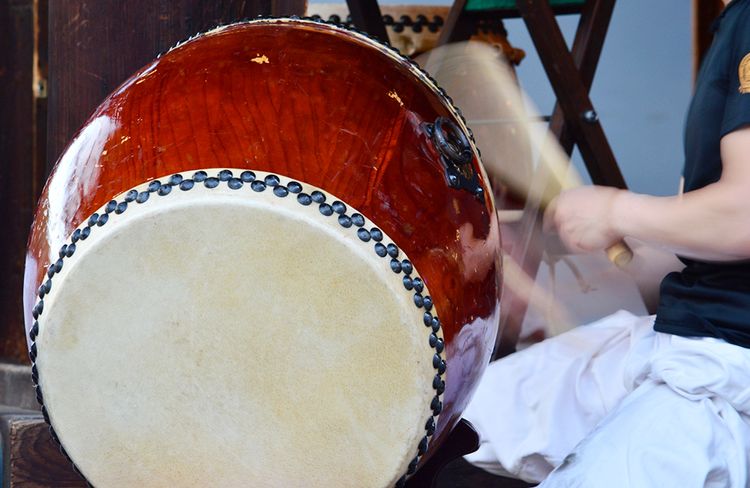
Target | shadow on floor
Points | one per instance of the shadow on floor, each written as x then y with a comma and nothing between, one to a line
461,474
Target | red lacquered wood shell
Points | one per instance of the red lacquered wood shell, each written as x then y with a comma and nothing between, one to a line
316,103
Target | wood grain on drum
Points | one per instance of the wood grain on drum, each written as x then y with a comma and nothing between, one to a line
95,46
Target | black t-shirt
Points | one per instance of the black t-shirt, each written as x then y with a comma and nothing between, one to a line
713,299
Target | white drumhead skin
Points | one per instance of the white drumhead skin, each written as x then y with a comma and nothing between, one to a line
220,337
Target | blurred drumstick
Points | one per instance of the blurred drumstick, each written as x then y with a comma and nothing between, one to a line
509,131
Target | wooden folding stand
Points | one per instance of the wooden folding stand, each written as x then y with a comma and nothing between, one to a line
574,120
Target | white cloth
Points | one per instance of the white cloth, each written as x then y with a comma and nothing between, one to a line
622,405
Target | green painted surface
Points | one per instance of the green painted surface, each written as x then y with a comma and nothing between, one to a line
511,4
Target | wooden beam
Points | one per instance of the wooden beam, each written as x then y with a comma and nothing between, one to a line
31,458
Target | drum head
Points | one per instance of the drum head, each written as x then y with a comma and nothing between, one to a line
235,328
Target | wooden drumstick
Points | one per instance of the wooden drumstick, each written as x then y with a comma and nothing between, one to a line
620,254
507,126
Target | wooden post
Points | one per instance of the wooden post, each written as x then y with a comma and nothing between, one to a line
22,123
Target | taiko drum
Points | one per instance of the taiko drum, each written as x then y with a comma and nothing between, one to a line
269,258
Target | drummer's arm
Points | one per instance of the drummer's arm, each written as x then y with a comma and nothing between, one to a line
649,266
711,223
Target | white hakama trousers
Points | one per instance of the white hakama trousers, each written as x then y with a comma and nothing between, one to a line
616,404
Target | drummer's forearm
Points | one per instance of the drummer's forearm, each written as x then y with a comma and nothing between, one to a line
712,223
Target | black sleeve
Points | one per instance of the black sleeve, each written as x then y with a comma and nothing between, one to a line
737,109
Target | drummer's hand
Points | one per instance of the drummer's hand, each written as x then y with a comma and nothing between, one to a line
583,218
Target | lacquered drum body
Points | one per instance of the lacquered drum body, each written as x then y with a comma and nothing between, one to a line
311,103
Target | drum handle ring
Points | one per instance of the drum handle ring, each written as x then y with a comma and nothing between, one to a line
456,153
451,141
